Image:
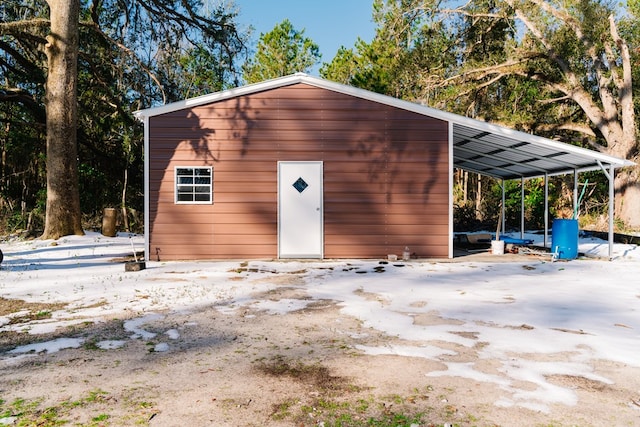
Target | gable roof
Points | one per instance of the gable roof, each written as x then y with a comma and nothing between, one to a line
478,146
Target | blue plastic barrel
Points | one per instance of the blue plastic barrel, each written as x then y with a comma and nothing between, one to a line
564,238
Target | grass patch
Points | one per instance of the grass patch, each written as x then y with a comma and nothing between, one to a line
282,410
358,413
90,410
28,310
28,413
334,401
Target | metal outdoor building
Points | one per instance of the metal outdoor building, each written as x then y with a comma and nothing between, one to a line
300,167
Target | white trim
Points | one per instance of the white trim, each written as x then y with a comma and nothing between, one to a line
194,184
220,96
611,175
522,207
451,179
546,210
147,253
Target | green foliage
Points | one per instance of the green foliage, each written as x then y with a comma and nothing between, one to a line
132,55
533,203
202,72
467,218
343,68
33,413
401,50
282,51
548,68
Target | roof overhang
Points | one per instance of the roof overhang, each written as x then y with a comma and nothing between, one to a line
507,154
478,146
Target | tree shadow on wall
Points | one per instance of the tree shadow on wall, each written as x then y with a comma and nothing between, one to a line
367,151
196,136
178,138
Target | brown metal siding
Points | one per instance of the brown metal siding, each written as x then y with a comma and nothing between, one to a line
385,175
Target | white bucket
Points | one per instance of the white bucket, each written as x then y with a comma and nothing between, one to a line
497,247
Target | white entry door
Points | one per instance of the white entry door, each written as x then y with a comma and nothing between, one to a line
300,210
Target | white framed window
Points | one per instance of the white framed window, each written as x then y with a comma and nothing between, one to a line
194,185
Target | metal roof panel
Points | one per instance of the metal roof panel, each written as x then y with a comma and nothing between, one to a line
477,146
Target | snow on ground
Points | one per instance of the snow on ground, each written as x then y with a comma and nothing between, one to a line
588,308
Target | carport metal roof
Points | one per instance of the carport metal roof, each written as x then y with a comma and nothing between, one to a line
506,154
478,146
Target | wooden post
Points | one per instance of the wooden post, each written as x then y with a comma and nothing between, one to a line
109,217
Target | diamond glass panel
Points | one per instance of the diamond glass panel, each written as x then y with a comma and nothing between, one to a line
300,185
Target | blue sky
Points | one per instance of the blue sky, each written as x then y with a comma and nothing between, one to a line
329,23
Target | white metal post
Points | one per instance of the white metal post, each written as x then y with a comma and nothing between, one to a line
575,190
611,207
610,175
502,209
522,208
147,228
450,213
546,208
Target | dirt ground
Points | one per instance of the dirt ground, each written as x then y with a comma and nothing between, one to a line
256,368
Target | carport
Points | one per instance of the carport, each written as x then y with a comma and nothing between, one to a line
505,154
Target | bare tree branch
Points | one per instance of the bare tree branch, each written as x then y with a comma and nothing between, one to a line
570,126
24,26
130,53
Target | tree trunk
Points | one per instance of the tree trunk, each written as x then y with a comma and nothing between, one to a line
627,199
63,215
125,215
465,186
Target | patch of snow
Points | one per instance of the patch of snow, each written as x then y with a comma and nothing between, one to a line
173,334
111,344
161,347
135,326
49,346
425,351
282,306
588,308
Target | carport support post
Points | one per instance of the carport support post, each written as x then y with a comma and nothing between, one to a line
502,209
611,175
546,208
575,192
522,208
